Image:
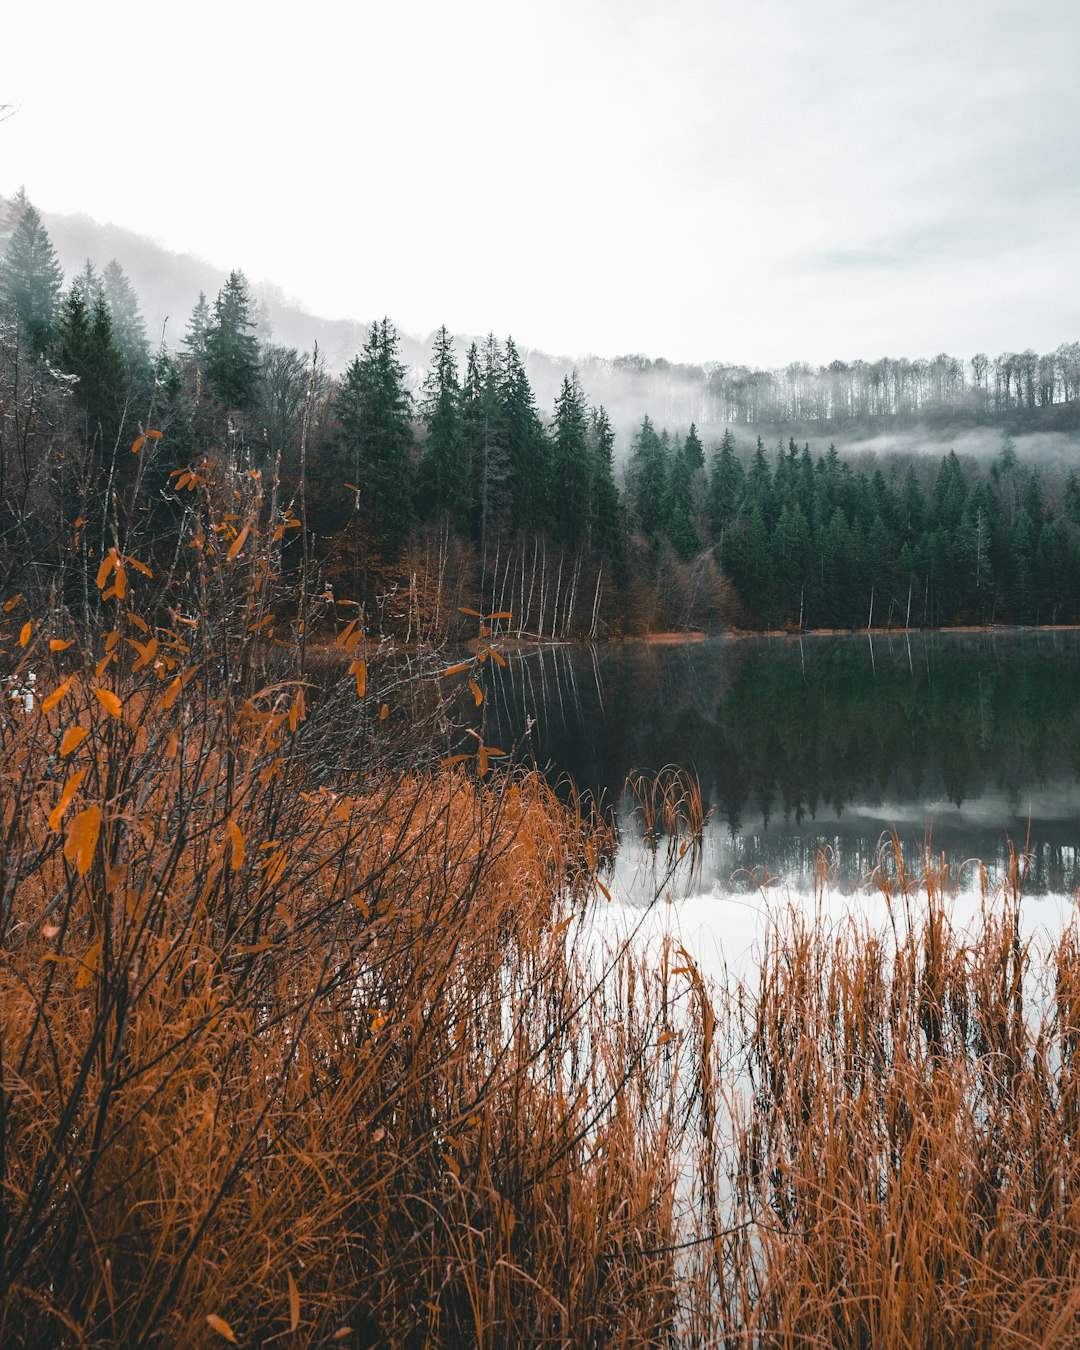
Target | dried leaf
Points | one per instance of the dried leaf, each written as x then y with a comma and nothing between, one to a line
24,636
60,644
138,444
294,1303
73,738
109,702
56,815
384,713
237,544
297,712
456,669
47,704
82,837
9,605
359,669
218,1324
89,966
476,692
172,692
236,838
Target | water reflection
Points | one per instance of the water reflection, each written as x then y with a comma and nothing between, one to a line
825,742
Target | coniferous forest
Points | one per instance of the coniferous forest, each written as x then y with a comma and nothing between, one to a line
415,501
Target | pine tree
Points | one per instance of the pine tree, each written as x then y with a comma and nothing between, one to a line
647,477
607,527
86,348
198,324
489,469
444,470
527,448
232,352
128,326
679,505
87,283
374,409
725,486
570,463
31,278
694,450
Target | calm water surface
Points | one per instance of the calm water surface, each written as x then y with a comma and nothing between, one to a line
828,743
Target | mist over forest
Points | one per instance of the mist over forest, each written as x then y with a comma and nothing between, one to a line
588,497
901,406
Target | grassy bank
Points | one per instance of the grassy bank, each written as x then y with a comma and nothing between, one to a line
304,1038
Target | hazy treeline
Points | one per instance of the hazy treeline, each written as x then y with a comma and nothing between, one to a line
416,501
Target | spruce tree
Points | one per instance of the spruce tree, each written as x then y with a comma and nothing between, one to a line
725,486
606,514
694,450
679,505
31,278
527,448
374,409
647,477
127,322
198,324
444,470
489,469
232,352
570,463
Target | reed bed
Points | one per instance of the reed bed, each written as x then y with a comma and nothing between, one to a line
306,1038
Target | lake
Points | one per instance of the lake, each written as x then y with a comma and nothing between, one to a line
821,743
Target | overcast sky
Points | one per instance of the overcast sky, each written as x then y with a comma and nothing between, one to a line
751,180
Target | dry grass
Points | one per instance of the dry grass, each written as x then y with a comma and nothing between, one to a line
304,1038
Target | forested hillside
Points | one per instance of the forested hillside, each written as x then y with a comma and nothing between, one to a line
413,494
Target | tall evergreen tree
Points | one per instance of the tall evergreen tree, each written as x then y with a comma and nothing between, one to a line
444,469
489,469
374,409
527,447
31,278
129,328
678,506
198,326
232,352
647,477
570,463
693,449
607,529
725,485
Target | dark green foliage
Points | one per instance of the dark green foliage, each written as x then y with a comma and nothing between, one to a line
444,470
606,522
528,450
129,329
231,350
679,505
374,410
693,450
570,463
198,325
31,278
647,477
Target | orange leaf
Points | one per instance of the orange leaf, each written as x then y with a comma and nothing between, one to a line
218,1324
155,435
476,692
456,670
237,544
138,444
359,669
474,612
496,657
236,837
294,1303
172,692
47,704
89,966
109,702
297,712
9,605
502,614
384,713
24,636
140,624
82,837
107,565
59,644
56,815
73,738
